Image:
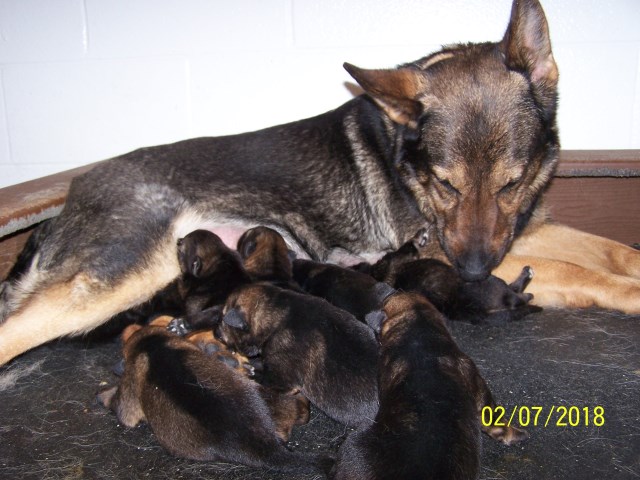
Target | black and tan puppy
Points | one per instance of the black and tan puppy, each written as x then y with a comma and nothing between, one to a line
489,301
351,290
307,345
266,257
431,396
201,409
210,272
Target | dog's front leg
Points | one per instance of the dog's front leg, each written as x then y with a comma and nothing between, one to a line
558,283
559,242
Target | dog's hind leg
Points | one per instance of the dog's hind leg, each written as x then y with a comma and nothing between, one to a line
559,242
559,283
53,307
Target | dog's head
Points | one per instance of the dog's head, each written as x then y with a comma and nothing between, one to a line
479,142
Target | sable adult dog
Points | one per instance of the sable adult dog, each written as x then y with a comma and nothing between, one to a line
464,140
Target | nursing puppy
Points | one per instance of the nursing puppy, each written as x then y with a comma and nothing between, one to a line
348,289
307,345
201,409
266,257
431,395
489,301
210,272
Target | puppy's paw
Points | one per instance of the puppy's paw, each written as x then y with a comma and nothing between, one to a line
178,326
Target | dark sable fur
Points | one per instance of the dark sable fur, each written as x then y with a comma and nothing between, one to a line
201,409
464,141
309,345
489,301
431,394
353,291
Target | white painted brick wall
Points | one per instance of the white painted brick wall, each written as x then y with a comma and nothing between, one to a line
83,80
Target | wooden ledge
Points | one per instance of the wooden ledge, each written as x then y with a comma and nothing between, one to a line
25,204
599,163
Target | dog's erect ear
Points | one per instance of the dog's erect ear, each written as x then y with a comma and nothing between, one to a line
236,319
395,90
527,45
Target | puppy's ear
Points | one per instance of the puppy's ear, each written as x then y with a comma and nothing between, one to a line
395,90
375,319
236,319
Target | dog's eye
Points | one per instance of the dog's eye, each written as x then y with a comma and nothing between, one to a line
509,186
447,185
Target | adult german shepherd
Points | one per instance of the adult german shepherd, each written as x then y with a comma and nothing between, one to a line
463,141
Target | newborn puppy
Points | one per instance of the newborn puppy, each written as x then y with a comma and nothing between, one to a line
201,409
307,345
351,290
265,256
210,272
431,396
489,301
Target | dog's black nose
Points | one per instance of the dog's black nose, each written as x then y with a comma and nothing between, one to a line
474,267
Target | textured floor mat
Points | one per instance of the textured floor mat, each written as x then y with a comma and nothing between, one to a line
52,428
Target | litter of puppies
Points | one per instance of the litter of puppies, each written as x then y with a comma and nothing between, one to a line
262,335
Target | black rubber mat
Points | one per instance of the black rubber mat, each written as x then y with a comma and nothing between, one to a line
573,361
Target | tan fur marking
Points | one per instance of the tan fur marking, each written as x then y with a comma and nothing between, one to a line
564,284
564,243
437,58
81,304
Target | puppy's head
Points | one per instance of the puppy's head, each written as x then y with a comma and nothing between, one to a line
200,252
247,322
265,254
400,312
479,141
